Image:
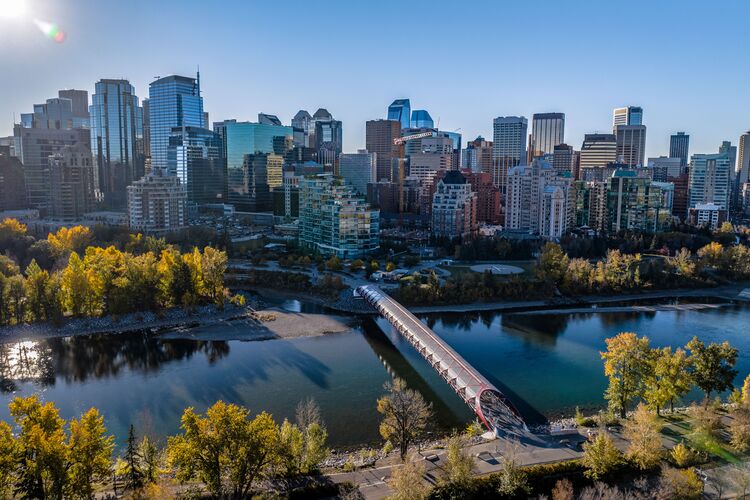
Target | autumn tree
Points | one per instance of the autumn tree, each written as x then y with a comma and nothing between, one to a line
459,462
669,378
407,481
712,255
405,415
513,480
214,265
712,366
43,453
600,456
8,453
739,429
552,264
151,457
643,432
627,365
90,450
75,287
65,240
225,449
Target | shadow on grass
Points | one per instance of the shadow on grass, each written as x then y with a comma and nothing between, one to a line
709,444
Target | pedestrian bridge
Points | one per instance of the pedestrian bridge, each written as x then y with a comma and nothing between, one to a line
492,407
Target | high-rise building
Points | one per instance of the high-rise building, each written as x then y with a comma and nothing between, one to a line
302,129
147,135
598,150
638,203
116,140
379,139
629,115
265,172
489,207
174,101
663,168
67,111
631,144
400,110
547,131
12,184
328,138
533,203
454,207
743,160
564,159
358,169
709,180
157,203
245,138
72,188
420,118
267,119
34,146
679,146
334,219
478,156
508,147
197,157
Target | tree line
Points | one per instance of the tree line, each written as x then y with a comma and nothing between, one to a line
92,281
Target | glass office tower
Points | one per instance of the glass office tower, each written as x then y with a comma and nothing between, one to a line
174,101
679,145
400,110
547,131
246,138
116,140
420,118
196,155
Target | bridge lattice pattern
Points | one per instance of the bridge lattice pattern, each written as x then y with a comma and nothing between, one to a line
490,405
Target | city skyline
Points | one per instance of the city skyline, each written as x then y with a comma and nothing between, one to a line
355,89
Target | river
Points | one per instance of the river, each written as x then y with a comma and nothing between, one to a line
547,364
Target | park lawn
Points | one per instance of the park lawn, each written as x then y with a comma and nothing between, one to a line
678,428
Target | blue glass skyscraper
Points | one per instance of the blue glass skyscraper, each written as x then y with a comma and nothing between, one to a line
420,118
174,101
116,140
400,110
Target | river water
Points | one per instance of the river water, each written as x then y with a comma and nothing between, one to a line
547,364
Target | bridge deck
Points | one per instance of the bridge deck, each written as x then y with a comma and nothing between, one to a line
489,404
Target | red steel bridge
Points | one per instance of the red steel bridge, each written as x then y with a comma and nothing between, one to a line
492,407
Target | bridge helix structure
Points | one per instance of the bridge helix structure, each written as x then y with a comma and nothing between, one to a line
490,405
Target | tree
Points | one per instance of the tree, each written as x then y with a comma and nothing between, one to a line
150,461
65,241
643,432
712,366
42,451
291,448
405,415
75,286
739,429
513,480
563,490
600,456
669,378
133,473
8,454
680,484
681,455
683,263
705,420
407,481
315,450
90,453
16,297
746,391
225,449
36,292
213,266
334,264
459,462
552,264
627,364
712,255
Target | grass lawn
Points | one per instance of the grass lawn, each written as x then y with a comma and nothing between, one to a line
678,428
462,268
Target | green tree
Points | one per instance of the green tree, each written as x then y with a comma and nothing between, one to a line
133,473
90,454
712,366
43,453
36,296
225,449
16,297
315,447
459,462
405,415
552,264
291,448
627,365
600,456
513,480
669,378
643,432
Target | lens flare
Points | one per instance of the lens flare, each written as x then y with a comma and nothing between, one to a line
51,30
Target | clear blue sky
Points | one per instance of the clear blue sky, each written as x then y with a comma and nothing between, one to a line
685,62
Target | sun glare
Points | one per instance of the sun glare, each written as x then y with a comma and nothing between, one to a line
12,9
